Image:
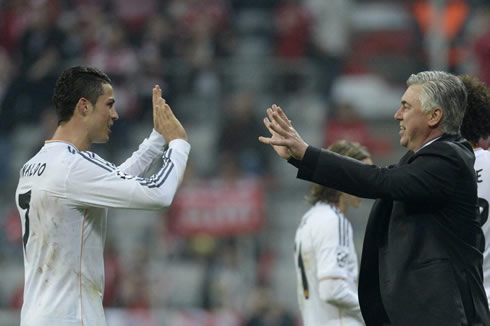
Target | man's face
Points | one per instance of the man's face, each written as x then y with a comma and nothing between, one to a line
414,127
102,116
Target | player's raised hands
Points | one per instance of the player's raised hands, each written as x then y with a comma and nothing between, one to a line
284,138
164,120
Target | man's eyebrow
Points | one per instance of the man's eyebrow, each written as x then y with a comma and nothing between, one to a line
405,103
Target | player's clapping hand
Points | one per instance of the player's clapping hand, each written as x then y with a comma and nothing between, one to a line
164,120
285,139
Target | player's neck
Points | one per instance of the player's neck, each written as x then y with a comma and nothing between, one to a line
69,132
474,146
341,204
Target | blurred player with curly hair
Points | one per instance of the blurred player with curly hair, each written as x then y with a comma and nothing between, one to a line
476,129
325,256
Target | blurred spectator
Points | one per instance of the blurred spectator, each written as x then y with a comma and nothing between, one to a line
482,47
345,122
134,288
239,131
48,122
330,39
266,311
157,55
203,29
452,16
252,4
14,18
91,20
113,274
133,14
5,78
266,263
292,32
114,53
12,228
292,27
41,50
222,279
5,72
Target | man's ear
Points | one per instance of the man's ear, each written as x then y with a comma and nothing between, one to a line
82,107
435,117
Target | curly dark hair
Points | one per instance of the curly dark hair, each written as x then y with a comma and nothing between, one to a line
75,83
342,147
476,121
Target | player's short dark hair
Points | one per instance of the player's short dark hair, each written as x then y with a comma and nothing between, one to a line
476,121
342,147
75,83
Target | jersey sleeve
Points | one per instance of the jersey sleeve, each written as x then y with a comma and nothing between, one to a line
341,293
92,181
331,241
424,179
149,150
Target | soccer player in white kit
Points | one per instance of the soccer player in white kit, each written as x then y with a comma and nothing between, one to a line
475,128
325,256
64,192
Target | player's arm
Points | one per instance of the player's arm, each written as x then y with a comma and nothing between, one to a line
340,292
148,151
165,128
91,181
335,283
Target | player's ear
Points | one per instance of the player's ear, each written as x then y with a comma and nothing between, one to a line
82,107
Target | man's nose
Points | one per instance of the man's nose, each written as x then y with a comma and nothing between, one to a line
398,115
115,116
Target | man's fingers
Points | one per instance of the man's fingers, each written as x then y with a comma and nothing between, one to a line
275,117
267,124
273,141
273,126
280,127
264,140
273,133
283,123
283,116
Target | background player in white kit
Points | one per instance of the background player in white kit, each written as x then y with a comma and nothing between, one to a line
475,127
64,192
325,256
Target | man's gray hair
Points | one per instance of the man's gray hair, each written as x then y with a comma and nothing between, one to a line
445,91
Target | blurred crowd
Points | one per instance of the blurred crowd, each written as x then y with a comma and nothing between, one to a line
220,64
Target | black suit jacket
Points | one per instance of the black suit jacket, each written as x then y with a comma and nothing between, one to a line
420,263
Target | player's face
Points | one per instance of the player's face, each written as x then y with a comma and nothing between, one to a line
103,116
414,126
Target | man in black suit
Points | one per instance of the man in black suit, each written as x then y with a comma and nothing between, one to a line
421,264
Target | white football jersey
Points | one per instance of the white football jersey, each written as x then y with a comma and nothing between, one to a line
324,248
482,169
62,197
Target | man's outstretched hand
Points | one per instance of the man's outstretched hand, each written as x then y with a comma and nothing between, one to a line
284,138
